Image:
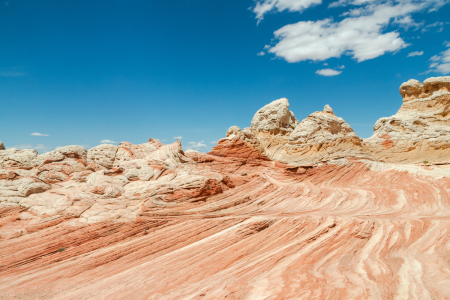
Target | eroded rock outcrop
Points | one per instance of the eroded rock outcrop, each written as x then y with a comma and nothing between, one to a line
420,131
274,119
321,136
106,183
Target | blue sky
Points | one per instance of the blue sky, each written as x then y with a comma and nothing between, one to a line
81,72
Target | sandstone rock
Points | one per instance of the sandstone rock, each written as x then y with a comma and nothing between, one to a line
275,118
103,155
234,146
172,154
2,147
13,158
22,187
233,130
127,151
245,135
321,136
137,169
67,153
49,204
420,130
106,186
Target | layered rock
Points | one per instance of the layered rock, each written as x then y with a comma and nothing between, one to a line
321,136
106,183
272,125
150,221
347,229
420,130
274,119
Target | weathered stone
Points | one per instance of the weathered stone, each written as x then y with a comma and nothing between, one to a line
420,130
103,155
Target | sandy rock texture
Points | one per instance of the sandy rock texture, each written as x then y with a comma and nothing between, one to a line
420,130
280,210
234,225
321,136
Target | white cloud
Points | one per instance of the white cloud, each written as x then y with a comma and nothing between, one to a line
262,53
197,145
436,24
107,142
39,134
214,142
41,148
178,137
265,6
360,34
163,140
349,2
441,63
328,72
415,53
341,67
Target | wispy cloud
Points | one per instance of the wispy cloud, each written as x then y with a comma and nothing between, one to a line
328,72
262,53
214,142
39,134
178,137
41,148
107,142
415,53
441,63
265,6
438,24
197,145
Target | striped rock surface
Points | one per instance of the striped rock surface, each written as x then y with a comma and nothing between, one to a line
346,229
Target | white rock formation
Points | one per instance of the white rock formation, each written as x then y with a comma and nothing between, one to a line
274,119
321,136
420,131
103,155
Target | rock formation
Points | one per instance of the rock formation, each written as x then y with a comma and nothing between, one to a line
321,136
281,210
420,130
2,147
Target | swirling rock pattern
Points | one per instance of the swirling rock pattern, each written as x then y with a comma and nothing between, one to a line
347,229
150,221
